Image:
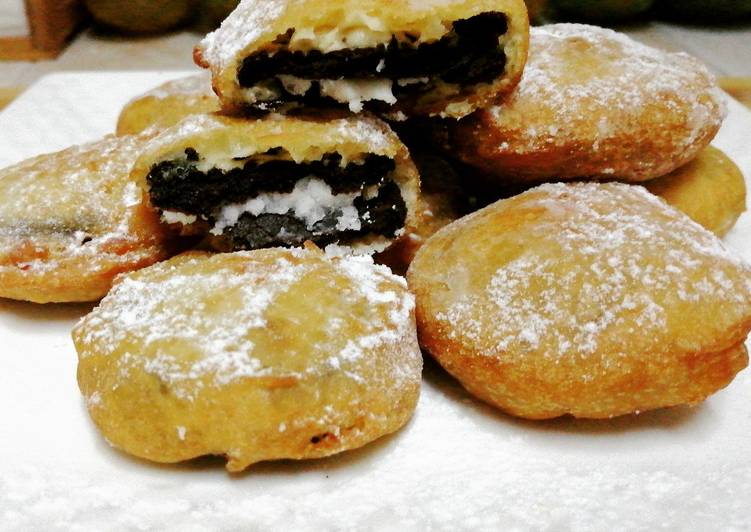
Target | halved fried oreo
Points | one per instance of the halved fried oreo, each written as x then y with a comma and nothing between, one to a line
280,181
433,57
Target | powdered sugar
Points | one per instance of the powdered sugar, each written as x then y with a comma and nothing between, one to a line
355,25
223,352
194,85
609,264
41,191
576,72
76,205
368,277
628,76
245,25
187,345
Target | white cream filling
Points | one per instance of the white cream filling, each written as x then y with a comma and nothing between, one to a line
357,30
331,40
220,162
296,86
260,93
310,201
175,217
355,92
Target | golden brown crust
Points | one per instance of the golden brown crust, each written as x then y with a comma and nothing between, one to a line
710,189
643,386
584,299
308,138
73,220
168,104
255,24
321,356
593,103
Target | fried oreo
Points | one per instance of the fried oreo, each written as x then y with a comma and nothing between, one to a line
419,58
73,220
593,103
710,189
168,104
259,355
281,181
594,300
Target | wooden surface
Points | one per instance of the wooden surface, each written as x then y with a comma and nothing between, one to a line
22,49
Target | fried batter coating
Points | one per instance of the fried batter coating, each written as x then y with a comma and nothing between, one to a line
168,104
594,300
71,221
593,103
710,189
432,57
260,355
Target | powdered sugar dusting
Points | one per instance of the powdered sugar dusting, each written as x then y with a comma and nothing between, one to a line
605,259
76,205
245,25
368,277
174,314
197,84
254,22
577,71
140,310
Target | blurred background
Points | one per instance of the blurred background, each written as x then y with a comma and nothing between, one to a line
42,36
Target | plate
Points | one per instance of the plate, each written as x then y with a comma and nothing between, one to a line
458,465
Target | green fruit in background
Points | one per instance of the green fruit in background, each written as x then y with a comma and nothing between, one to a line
141,16
213,12
703,10
602,10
